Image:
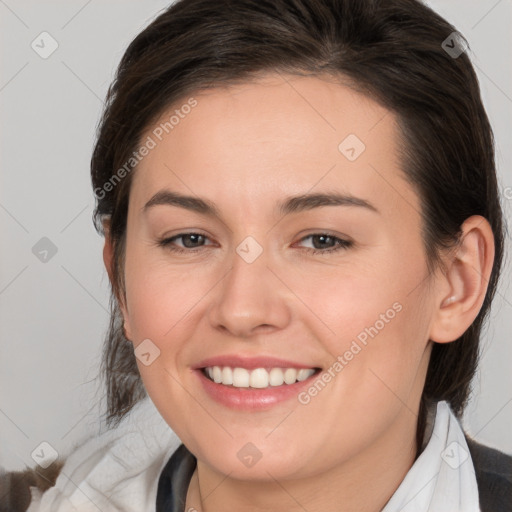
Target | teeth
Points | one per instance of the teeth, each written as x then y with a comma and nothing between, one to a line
258,378
240,377
290,375
217,374
276,377
227,375
303,374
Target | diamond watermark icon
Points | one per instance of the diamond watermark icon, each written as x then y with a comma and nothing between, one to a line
146,352
44,250
454,455
44,455
249,249
454,45
44,45
249,455
351,147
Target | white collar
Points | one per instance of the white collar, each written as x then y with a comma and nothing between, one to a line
442,479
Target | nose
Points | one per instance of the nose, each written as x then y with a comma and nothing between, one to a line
250,299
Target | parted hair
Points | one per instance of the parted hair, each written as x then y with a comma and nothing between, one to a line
392,51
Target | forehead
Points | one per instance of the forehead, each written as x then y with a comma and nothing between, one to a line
280,135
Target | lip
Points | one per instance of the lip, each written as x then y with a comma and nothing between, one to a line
251,399
250,363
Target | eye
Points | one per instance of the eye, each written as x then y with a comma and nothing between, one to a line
325,242
190,241
193,242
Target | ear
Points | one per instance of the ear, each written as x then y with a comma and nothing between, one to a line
108,250
108,260
462,289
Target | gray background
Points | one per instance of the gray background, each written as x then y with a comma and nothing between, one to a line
53,314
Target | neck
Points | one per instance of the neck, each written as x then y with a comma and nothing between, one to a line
364,483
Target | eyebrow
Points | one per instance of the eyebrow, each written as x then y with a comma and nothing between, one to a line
310,201
294,204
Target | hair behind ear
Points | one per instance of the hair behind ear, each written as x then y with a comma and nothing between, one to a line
119,370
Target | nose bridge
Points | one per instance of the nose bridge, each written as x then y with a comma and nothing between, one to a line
250,296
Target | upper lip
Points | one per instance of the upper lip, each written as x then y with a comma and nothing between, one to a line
250,363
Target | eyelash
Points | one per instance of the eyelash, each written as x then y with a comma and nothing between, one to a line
341,244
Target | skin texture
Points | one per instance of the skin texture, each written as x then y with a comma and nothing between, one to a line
245,148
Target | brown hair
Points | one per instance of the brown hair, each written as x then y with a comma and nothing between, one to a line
391,51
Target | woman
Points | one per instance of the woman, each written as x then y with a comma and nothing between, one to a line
303,236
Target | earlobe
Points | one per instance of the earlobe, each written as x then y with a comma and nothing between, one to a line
463,287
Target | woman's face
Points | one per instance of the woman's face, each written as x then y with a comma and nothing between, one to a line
243,288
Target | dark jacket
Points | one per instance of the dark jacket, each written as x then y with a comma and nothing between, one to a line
493,475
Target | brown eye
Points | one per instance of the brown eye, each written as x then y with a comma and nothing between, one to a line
188,241
324,242
192,240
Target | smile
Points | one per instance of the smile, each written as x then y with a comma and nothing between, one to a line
259,378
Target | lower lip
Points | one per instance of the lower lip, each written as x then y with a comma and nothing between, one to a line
251,399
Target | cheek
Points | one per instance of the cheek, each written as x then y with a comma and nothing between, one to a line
160,297
375,319
361,298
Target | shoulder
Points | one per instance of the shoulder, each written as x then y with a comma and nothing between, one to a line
493,470
114,470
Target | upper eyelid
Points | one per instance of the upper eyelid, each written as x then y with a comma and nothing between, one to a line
341,238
